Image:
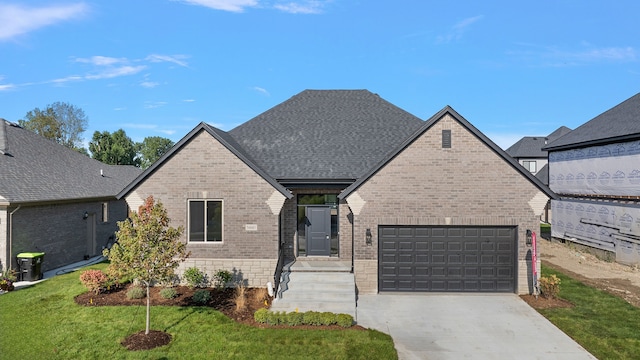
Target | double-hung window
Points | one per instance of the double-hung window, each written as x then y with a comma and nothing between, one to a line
205,220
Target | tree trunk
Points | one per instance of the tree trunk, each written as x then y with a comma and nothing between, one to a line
148,310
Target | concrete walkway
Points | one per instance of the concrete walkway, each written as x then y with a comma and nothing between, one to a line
465,326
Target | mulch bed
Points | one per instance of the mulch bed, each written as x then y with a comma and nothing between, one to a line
541,302
221,300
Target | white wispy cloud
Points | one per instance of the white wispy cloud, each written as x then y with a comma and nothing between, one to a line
261,90
226,5
154,104
18,19
106,67
552,56
149,84
176,59
188,100
301,7
116,72
458,30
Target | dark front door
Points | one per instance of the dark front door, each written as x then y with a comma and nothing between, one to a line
319,230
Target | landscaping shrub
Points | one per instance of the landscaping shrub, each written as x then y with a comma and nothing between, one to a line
265,316
260,295
194,277
344,320
549,286
135,292
201,297
312,318
261,315
168,293
94,280
239,298
327,318
7,279
222,277
295,318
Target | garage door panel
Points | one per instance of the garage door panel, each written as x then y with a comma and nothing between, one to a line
441,258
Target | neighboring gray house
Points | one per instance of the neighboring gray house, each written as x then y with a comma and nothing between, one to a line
55,200
343,175
595,170
528,150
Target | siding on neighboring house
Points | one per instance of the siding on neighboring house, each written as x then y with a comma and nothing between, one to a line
467,184
205,169
60,231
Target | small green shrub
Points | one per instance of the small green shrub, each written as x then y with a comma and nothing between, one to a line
168,293
344,320
265,316
294,318
261,315
201,297
327,318
312,318
549,286
194,277
222,277
94,280
135,292
273,318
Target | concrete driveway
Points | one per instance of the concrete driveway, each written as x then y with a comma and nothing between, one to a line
465,326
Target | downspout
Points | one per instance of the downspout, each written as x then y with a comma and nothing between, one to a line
11,236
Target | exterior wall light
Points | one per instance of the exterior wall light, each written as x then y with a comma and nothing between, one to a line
368,237
85,216
529,238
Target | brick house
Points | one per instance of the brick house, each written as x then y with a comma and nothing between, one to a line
343,175
595,170
55,200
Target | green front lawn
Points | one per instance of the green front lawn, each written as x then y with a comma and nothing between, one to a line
607,326
43,322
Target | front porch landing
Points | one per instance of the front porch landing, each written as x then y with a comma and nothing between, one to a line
317,285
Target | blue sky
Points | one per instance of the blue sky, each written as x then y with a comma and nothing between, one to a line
158,68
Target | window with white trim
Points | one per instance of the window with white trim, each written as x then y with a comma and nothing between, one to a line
530,165
205,220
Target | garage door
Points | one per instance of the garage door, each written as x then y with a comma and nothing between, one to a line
444,258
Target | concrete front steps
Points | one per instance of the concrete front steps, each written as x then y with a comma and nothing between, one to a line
317,286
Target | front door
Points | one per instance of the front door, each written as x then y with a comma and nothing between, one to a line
319,230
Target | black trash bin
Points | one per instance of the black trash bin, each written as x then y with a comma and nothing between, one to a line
30,265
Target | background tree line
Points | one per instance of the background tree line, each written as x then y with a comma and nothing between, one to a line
65,123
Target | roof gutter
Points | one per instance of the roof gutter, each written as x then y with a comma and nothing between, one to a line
11,236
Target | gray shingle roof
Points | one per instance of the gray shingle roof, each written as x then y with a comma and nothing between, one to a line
620,123
531,146
325,134
35,169
543,174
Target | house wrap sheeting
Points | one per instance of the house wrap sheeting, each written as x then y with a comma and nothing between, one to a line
604,225
612,169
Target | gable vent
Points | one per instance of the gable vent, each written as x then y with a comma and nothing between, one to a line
446,139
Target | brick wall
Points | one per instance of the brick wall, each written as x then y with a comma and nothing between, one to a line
205,169
467,184
61,232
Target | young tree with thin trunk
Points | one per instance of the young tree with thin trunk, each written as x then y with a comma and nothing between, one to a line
148,249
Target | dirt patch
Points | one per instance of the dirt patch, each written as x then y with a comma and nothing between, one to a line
541,302
222,300
617,279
